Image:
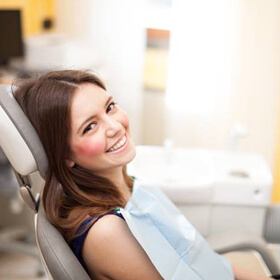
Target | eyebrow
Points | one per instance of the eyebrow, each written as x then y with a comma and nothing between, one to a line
93,116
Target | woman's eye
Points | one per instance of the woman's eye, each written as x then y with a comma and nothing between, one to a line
111,107
89,127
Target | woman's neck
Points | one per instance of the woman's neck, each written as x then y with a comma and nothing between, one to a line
116,176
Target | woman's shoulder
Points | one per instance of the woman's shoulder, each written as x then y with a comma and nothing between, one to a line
77,242
105,232
105,227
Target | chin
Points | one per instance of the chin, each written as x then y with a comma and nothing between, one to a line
130,155
133,154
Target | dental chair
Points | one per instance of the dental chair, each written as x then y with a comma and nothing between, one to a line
24,150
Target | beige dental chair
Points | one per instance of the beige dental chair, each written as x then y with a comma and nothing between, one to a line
24,150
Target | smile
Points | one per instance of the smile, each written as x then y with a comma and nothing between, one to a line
118,145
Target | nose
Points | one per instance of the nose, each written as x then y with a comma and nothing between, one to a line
113,127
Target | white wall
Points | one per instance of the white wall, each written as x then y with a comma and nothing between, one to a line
256,99
225,71
114,31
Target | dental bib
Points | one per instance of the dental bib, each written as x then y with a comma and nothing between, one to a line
174,246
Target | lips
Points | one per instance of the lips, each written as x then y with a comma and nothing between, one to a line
120,143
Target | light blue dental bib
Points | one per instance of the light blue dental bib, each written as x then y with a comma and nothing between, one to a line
174,246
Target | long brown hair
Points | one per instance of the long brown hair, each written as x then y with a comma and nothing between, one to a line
70,194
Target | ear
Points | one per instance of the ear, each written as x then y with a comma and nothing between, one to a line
70,163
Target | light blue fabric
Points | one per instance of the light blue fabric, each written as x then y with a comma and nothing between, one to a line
174,246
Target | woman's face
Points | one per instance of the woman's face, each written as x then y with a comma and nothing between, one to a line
100,134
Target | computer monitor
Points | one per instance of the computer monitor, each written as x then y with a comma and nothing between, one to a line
11,42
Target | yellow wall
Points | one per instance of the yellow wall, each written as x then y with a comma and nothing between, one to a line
33,13
276,190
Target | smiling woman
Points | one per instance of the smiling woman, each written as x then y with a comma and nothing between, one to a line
86,137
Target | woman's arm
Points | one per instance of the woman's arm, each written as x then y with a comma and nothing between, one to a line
111,252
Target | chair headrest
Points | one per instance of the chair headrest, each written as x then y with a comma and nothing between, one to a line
18,138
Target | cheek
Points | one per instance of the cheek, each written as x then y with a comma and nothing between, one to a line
89,148
124,119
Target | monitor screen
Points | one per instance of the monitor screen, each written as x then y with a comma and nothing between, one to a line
11,43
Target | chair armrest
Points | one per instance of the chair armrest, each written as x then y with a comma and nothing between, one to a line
237,241
271,231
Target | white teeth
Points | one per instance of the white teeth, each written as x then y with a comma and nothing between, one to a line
118,145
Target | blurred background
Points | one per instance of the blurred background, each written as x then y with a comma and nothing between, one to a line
191,74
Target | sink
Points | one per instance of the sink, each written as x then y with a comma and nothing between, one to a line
240,166
241,178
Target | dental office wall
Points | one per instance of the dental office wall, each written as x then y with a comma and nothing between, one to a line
224,68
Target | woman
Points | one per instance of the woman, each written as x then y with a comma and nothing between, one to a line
87,140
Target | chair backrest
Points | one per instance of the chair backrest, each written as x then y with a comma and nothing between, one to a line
22,147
